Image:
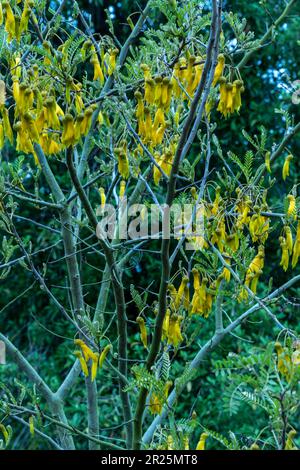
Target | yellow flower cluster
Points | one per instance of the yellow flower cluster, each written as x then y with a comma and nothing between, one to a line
253,273
230,96
157,400
85,356
16,25
203,298
287,362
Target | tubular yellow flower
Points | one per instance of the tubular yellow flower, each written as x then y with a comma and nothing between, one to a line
180,292
257,264
47,47
10,22
112,61
102,197
29,125
223,95
226,274
291,211
103,354
82,362
165,91
233,241
86,351
174,332
24,19
98,74
52,110
219,69
158,90
289,238
284,363
87,121
6,125
122,189
198,73
229,99
190,74
77,126
94,367
202,440
146,69
149,91
16,89
159,119
286,167
140,105
285,254
68,135
123,164
143,331
267,161
166,323
236,93
296,249
172,293
31,425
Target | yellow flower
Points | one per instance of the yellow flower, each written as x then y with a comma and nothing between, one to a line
31,425
285,254
143,331
149,91
87,121
94,368
219,69
157,400
86,351
286,167
29,125
10,22
166,324
68,135
174,332
181,291
226,274
25,18
112,61
98,74
103,354
6,126
284,363
122,189
289,238
51,113
202,440
296,249
291,211
82,362
236,92
123,164
102,197
165,163
267,161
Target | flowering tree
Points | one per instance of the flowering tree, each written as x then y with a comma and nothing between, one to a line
103,140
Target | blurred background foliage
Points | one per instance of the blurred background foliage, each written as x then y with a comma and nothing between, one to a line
267,77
